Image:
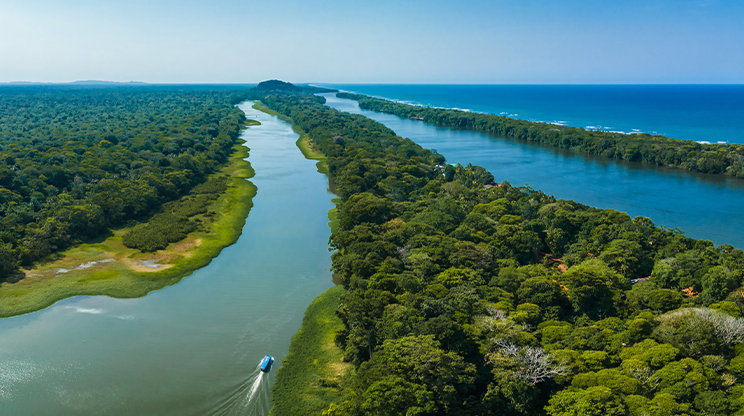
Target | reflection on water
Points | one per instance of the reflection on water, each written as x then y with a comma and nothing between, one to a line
704,206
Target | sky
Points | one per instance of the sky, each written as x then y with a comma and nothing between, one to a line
381,41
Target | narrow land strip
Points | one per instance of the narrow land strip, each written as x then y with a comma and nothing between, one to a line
313,373
109,268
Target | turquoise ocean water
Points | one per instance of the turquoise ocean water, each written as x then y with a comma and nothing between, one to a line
710,113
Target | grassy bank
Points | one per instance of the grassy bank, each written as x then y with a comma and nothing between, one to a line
310,152
303,143
312,374
260,107
107,267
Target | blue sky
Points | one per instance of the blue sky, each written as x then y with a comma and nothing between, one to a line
333,41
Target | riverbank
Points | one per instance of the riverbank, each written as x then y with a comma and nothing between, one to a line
651,149
303,143
109,268
312,374
310,152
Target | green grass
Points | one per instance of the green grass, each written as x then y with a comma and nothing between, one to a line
312,375
333,216
260,107
310,152
121,275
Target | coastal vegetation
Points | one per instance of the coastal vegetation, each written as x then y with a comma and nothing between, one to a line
468,296
82,167
312,372
725,159
106,266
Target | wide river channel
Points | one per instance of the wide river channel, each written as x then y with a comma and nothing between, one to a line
192,348
704,206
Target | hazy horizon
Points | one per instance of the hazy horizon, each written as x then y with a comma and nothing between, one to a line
335,84
388,42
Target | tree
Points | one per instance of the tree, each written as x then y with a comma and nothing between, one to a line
363,208
650,352
543,292
714,403
592,286
692,334
393,396
610,378
684,378
661,405
695,323
718,282
627,257
8,262
665,275
533,365
509,279
594,401
419,360
664,299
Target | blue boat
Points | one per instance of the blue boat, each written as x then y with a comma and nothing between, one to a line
266,363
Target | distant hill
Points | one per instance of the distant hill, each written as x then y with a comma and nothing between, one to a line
275,86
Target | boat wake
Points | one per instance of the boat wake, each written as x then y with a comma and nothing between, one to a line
256,385
252,397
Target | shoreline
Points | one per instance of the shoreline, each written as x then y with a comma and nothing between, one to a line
313,373
108,268
635,147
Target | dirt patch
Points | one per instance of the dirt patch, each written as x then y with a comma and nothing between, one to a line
338,369
186,245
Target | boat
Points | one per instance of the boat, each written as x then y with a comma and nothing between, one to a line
266,363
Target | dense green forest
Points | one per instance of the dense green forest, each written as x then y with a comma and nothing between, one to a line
726,159
464,300
77,161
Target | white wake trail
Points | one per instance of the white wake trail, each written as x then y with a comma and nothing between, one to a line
255,386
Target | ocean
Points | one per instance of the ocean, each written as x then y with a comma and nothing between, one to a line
703,113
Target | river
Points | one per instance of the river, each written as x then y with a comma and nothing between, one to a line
192,348
704,206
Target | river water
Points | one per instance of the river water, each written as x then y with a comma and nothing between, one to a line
705,206
191,348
